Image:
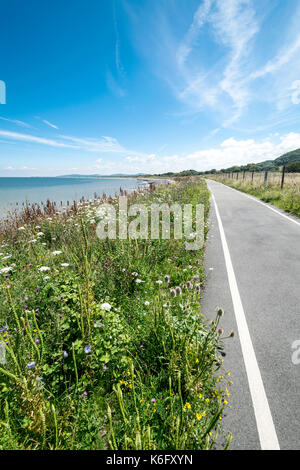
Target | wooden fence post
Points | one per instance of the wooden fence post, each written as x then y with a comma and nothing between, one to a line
244,174
282,177
237,175
252,176
266,178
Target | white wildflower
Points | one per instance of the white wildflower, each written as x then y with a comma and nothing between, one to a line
44,268
58,252
106,306
6,270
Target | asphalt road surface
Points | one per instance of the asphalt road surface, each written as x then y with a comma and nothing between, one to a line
252,263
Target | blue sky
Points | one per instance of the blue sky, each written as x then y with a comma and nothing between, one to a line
147,85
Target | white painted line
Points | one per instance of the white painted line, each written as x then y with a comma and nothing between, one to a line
262,203
264,421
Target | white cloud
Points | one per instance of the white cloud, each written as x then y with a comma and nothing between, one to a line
295,96
15,121
192,35
229,153
233,25
50,124
33,139
284,56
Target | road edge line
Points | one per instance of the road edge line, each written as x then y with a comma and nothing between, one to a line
264,421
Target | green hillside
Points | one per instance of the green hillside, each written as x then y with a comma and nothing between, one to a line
289,157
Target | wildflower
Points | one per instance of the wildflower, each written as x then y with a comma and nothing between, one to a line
167,279
178,290
33,241
21,228
6,270
198,288
36,340
39,234
106,306
44,268
189,284
55,253
159,282
187,406
105,367
220,311
147,303
196,277
39,379
64,265
87,349
172,292
153,400
65,354
138,281
198,416
30,365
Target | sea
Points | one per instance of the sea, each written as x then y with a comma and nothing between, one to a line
15,192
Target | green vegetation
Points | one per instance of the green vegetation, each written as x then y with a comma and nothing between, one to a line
106,345
293,167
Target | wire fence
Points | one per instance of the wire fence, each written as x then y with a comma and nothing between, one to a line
274,178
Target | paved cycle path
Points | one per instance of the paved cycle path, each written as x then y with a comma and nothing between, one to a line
252,263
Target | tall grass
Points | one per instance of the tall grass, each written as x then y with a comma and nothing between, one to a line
106,344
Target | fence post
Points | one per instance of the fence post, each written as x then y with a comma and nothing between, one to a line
266,178
244,174
252,176
237,175
282,177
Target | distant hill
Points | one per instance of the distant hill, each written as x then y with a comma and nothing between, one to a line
99,176
289,157
270,165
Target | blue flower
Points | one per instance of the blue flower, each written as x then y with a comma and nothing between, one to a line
87,349
31,365
65,354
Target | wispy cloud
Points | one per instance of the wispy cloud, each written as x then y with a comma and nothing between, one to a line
191,36
233,24
15,121
50,124
103,145
33,139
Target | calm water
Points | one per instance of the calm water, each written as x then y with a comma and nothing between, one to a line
15,191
